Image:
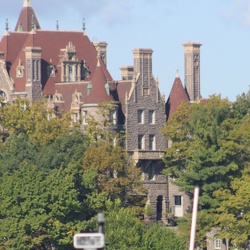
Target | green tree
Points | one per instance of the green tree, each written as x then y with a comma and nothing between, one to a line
66,148
16,149
233,209
208,150
124,230
35,120
157,237
40,210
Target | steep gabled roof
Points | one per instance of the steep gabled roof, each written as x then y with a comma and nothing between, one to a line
27,18
52,43
100,87
177,95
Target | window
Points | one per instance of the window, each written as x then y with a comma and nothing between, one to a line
112,116
145,91
217,243
84,116
75,117
177,200
71,74
141,142
151,142
151,117
178,207
140,116
3,98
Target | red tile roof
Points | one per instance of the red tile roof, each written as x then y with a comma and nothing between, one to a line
26,19
177,95
100,89
51,43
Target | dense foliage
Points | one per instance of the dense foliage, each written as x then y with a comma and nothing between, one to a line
54,179
210,149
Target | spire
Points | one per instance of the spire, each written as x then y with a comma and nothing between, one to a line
176,96
27,19
27,3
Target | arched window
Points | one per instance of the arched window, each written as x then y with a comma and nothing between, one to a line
3,98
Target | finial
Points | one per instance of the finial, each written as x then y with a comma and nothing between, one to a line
27,3
177,73
57,25
84,26
7,24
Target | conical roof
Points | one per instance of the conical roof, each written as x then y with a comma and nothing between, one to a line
100,88
177,95
27,19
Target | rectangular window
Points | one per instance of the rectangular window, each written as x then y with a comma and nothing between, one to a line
140,116
151,117
177,200
84,116
151,142
217,243
71,74
145,91
75,117
141,143
178,207
112,116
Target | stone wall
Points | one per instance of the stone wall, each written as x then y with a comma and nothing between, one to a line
5,83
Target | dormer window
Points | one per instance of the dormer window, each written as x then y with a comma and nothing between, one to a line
70,65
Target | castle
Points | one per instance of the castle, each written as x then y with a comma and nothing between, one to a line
71,71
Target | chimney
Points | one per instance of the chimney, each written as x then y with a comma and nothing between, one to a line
127,72
101,48
192,70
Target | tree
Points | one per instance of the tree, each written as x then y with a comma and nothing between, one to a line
106,164
66,148
35,120
158,237
233,209
16,149
124,230
208,150
40,210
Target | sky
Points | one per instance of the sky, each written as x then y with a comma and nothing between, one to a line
221,26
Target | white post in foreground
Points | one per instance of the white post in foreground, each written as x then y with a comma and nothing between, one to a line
194,218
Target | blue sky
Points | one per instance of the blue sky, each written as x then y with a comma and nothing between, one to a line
222,26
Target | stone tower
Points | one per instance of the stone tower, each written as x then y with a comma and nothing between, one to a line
33,73
192,70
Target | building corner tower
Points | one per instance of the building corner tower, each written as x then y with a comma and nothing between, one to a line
192,70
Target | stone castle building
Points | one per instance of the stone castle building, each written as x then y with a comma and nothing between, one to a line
71,71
